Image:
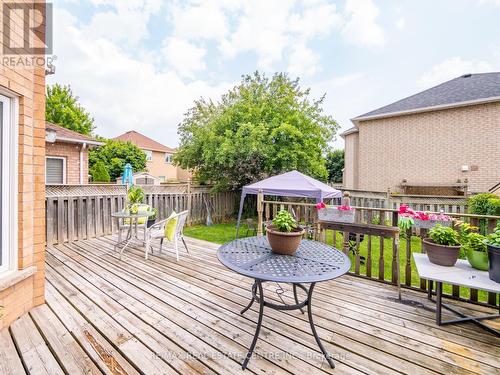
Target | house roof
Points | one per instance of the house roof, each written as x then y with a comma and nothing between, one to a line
143,142
461,91
70,136
349,131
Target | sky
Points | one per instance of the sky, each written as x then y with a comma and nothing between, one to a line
140,64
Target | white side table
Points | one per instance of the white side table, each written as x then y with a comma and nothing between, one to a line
460,274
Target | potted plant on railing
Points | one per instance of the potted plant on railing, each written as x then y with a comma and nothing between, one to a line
442,246
284,235
342,214
422,219
152,218
493,243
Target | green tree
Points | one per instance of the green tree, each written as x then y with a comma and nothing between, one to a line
99,172
335,165
259,128
115,154
62,108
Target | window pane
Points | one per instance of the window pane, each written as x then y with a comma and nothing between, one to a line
54,171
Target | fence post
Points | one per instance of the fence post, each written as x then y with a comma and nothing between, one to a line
260,199
389,198
189,200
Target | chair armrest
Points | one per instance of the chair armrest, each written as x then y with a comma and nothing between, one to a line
159,225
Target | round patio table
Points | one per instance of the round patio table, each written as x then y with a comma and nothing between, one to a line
133,220
314,262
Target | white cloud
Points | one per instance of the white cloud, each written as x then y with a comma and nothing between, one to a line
123,92
400,23
185,57
303,61
132,16
451,68
203,20
361,27
491,2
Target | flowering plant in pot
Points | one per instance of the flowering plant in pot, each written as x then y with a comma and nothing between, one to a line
343,214
493,243
422,219
442,246
284,235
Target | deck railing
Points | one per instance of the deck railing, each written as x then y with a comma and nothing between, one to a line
82,212
373,251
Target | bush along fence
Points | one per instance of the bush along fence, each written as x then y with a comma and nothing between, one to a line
80,212
376,254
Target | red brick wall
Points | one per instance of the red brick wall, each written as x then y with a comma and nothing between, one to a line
71,152
28,84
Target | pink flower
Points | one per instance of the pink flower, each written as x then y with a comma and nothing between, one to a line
345,208
320,205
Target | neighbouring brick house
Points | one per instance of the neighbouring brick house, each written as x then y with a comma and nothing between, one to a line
443,136
22,120
66,155
159,157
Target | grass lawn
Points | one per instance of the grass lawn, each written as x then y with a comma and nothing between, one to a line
225,232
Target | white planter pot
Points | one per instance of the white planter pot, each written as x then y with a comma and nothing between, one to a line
428,224
333,214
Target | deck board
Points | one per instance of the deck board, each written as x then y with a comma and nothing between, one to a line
132,316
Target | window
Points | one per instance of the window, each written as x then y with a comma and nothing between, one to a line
162,178
55,170
169,158
8,183
149,155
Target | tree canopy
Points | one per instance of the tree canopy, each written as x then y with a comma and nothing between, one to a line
335,165
62,108
114,155
259,128
99,172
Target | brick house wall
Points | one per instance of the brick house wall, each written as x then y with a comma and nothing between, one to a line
430,148
24,288
71,152
350,175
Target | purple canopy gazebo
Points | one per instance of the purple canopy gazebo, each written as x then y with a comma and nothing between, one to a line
289,184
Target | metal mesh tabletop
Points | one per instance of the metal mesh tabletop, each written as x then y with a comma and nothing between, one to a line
313,262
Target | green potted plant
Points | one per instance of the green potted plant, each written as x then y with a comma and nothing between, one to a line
284,235
152,218
442,246
475,249
135,197
493,243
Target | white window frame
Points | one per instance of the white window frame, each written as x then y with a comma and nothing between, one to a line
64,168
9,195
149,155
167,154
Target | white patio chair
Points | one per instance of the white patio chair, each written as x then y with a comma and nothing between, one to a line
157,231
124,224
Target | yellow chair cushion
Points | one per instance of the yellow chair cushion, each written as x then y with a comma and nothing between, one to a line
170,226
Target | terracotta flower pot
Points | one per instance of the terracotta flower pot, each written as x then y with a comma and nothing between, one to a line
440,254
284,243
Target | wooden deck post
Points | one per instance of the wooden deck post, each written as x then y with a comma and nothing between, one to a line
189,201
260,209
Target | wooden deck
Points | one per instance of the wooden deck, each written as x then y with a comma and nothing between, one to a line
134,316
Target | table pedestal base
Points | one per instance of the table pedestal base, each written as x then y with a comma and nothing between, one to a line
463,318
258,296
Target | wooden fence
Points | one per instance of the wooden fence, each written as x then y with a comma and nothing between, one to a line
377,262
82,212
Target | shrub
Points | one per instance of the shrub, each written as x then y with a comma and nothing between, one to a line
444,235
484,204
99,172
